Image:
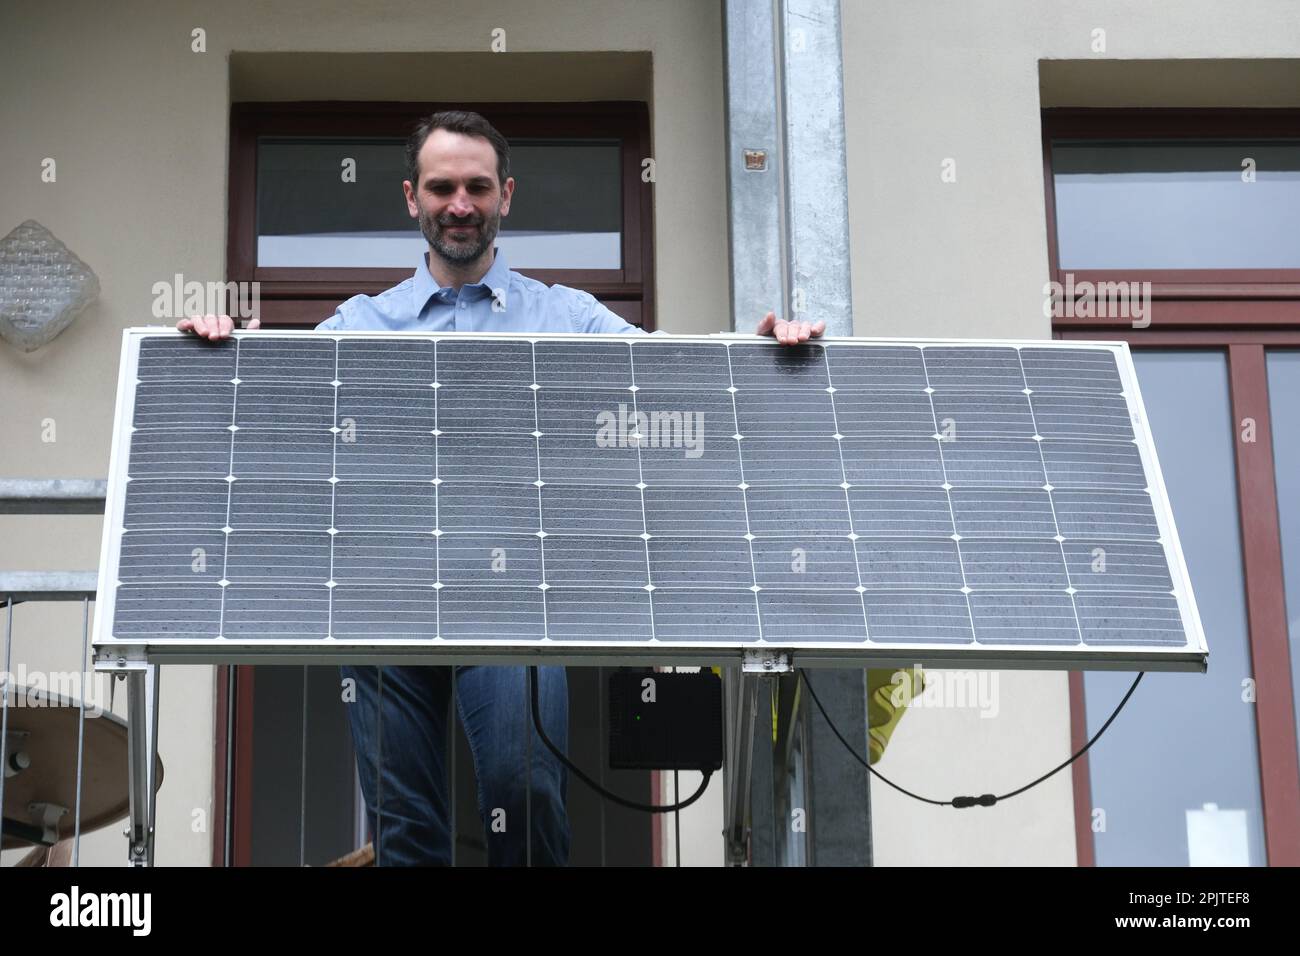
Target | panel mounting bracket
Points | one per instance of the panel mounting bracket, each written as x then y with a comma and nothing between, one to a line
771,663
121,659
46,816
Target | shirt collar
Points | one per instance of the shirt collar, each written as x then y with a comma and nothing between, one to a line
424,287
496,278
496,281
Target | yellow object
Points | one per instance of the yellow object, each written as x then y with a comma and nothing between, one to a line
888,694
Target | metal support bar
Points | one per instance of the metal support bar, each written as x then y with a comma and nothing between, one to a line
4,711
18,586
789,794
740,687
81,732
762,786
740,694
71,496
142,758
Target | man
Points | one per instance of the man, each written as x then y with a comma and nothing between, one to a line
459,189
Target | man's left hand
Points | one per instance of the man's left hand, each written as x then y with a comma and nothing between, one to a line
789,333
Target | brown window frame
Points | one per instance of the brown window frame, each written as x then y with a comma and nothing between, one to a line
1241,313
301,296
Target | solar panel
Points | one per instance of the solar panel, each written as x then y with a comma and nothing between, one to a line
638,499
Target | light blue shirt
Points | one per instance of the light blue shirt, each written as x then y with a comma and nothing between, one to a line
503,301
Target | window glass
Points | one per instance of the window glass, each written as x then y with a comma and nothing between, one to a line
1188,204
1175,780
1284,406
337,202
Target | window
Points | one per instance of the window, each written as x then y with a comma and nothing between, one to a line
1169,197
315,229
1199,768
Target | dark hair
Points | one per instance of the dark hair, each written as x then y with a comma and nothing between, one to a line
456,121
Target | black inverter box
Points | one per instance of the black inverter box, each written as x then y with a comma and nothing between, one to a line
665,721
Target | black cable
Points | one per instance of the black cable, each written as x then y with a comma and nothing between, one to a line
987,799
535,707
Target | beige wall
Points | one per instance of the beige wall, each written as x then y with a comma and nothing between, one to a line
928,80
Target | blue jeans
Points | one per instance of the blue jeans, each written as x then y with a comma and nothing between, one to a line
415,827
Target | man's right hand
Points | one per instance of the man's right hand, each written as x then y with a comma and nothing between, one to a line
213,327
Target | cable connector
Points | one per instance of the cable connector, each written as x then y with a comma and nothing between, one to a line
986,800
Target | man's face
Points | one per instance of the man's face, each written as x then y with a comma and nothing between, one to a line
459,202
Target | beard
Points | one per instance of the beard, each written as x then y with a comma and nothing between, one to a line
460,251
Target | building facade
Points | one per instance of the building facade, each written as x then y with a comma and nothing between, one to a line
967,128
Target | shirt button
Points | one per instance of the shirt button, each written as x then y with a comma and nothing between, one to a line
462,305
